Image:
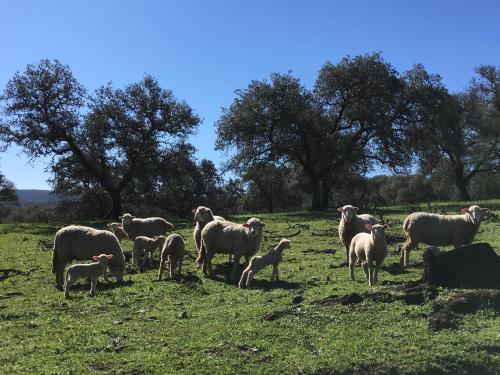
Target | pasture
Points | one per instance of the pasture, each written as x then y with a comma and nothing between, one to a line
209,326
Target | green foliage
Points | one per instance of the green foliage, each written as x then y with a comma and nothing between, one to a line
141,328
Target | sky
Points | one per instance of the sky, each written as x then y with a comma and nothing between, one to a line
205,50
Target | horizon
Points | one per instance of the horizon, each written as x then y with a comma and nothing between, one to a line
204,51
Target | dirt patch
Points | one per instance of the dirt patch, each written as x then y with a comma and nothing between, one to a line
470,302
273,315
442,318
99,366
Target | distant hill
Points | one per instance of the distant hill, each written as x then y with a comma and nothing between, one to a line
35,196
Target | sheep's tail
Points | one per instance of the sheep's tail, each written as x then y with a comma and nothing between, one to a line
406,226
202,254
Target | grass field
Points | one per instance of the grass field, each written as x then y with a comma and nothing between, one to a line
208,326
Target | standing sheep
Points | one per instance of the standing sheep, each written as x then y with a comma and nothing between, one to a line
149,227
368,248
92,271
229,238
440,230
202,216
76,242
273,257
144,248
351,224
173,254
118,231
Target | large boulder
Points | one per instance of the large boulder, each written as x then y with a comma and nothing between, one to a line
470,266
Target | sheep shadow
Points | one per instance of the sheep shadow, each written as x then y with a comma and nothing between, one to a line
394,269
270,285
101,285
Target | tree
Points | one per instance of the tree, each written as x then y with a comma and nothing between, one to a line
8,195
107,139
351,117
462,129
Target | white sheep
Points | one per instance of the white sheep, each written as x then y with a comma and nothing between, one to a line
440,230
144,248
351,224
272,257
370,249
76,242
91,270
149,227
118,231
173,254
202,216
229,238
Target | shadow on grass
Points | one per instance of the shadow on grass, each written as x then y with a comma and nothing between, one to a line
85,286
394,269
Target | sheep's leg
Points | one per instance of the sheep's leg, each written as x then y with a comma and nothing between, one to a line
67,285
352,263
60,275
208,260
160,270
405,252
370,271
93,283
247,260
236,265
250,275
243,279
105,274
276,272
347,255
377,267
180,264
365,269
173,265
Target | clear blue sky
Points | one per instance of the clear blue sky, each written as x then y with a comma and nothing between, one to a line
204,50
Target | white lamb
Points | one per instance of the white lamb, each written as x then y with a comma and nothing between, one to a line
144,248
91,270
272,257
173,254
76,242
351,224
149,227
440,230
118,231
370,249
229,238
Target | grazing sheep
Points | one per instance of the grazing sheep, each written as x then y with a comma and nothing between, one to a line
440,230
144,248
202,216
229,238
273,257
149,227
351,224
92,271
173,254
368,248
76,242
118,231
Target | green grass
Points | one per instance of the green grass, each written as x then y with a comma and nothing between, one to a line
136,329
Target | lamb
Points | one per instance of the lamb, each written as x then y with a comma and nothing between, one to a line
440,230
92,271
229,238
118,231
351,224
173,254
202,216
273,257
144,248
149,227
76,242
368,248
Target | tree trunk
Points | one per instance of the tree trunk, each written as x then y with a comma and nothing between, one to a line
325,195
462,185
316,196
116,199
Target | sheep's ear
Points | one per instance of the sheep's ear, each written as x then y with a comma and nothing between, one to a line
262,224
108,225
485,209
95,257
120,217
465,210
368,226
340,209
356,209
110,256
246,225
386,226
193,210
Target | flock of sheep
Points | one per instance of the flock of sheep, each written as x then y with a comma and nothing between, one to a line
362,236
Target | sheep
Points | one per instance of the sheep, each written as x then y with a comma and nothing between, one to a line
118,231
144,248
173,254
229,238
440,230
202,216
149,227
76,242
92,271
351,224
368,248
273,257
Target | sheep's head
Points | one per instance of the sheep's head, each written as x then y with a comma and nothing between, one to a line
348,212
160,239
283,244
126,218
254,226
114,226
377,231
102,258
202,214
476,213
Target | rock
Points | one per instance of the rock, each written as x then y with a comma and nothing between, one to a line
297,299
